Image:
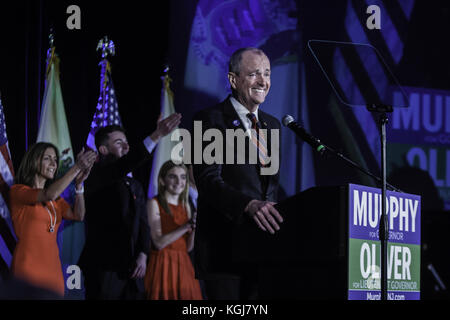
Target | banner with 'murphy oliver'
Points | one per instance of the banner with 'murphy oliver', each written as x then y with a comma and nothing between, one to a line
364,248
419,136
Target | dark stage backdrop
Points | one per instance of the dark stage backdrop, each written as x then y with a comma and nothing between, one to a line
196,38
140,34
141,38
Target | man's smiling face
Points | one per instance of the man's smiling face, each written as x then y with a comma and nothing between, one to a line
252,84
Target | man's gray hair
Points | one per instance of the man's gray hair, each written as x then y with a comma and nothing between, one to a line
236,58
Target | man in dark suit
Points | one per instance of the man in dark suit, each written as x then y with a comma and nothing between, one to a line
114,259
235,196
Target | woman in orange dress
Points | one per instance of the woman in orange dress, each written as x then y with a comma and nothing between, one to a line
170,274
37,211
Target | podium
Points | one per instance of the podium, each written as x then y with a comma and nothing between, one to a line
328,246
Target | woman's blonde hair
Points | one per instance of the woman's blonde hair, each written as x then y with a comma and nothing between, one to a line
184,196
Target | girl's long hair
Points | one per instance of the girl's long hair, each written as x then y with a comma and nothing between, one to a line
184,196
32,161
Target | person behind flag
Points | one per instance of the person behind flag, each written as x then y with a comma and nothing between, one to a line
170,274
37,210
165,146
114,259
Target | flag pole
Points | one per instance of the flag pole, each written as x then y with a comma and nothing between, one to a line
166,79
107,48
50,51
103,116
49,60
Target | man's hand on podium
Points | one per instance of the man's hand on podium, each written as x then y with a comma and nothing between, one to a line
265,215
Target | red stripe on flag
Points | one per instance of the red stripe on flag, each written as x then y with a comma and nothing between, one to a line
5,152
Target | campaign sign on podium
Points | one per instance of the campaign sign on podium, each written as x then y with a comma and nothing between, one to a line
364,249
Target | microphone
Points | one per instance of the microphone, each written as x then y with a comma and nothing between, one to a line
288,121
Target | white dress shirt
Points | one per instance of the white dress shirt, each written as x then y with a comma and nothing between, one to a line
242,113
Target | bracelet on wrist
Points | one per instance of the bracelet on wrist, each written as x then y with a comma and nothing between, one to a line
81,191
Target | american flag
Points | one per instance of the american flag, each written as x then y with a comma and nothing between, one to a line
107,111
7,236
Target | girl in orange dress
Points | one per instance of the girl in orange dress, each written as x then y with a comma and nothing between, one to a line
170,274
37,211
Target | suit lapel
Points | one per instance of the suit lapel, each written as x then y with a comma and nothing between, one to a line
263,120
231,118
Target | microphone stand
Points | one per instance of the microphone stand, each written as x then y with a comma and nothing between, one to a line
357,166
382,110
